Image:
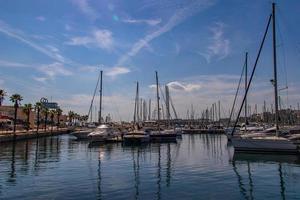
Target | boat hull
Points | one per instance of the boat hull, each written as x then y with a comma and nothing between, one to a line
264,146
136,139
81,135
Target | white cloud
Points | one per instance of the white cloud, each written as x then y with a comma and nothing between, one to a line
188,87
86,8
115,71
22,37
150,22
219,46
40,18
40,79
178,17
4,63
100,38
53,70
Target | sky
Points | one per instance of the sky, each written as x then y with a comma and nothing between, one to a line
55,49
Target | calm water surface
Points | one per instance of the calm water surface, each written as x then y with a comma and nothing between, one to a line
197,167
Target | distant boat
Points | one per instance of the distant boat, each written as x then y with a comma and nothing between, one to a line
82,134
160,135
136,137
103,133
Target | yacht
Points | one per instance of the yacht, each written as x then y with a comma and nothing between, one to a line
102,133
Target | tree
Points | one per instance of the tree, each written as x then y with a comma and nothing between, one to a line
2,96
45,112
71,116
58,113
16,99
38,107
52,113
26,110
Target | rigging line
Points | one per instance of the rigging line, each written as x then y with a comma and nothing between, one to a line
284,61
236,94
252,74
114,103
91,106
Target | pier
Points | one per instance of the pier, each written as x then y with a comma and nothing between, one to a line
23,135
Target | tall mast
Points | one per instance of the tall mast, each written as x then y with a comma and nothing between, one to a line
246,84
135,103
275,69
167,104
100,102
149,116
157,96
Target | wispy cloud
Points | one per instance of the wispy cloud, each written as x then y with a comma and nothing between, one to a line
85,7
219,46
54,69
115,71
4,63
150,22
24,38
108,71
40,18
180,86
180,15
101,38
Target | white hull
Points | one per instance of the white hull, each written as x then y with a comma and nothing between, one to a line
81,134
264,145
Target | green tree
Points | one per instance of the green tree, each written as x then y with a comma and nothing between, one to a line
52,113
2,96
58,114
27,110
16,99
38,107
71,116
45,112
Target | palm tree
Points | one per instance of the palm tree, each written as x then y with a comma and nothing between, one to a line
71,115
38,107
16,99
2,96
58,113
52,113
45,112
26,110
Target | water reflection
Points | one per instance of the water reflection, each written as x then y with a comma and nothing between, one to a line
198,165
99,192
240,159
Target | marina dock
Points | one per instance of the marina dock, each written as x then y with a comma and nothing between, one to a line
24,135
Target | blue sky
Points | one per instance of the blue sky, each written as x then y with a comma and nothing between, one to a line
56,48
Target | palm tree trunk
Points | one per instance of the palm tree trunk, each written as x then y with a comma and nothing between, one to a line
38,121
46,116
15,119
52,124
58,122
28,123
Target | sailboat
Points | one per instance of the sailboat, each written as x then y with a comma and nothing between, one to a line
83,134
262,142
136,136
161,135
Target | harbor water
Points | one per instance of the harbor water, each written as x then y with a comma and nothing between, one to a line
196,167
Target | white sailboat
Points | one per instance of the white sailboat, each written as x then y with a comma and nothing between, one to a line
264,142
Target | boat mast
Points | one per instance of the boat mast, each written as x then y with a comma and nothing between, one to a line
100,102
246,84
157,96
275,69
135,103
